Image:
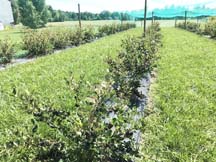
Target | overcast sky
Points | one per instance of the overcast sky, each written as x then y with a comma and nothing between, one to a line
123,5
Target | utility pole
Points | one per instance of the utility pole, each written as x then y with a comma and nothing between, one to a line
145,15
185,19
79,15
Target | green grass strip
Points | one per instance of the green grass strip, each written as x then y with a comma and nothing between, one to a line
183,127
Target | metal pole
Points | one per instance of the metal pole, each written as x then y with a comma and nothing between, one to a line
145,15
80,25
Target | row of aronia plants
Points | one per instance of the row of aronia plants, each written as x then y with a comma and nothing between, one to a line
100,127
208,29
45,41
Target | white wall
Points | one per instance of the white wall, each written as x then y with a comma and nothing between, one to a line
6,14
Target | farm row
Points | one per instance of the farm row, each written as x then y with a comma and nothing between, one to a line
41,42
180,125
51,114
208,29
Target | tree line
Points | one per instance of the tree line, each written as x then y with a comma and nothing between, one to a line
36,14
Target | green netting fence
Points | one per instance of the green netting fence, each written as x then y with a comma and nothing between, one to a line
172,12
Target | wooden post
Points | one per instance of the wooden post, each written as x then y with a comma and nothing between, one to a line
121,18
145,15
80,25
175,22
152,18
185,19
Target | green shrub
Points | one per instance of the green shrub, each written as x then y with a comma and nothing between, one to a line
210,28
60,38
88,34
85,134
6,51
135,60
192,27
105,30
37,42
76,37
112,29
181,25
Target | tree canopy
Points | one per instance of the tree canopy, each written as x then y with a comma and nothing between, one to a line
35,14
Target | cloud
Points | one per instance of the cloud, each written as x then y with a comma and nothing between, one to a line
123,5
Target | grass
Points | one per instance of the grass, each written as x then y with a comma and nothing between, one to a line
46,78
182,127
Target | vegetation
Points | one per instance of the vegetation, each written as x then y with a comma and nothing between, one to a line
45,79
208,29
134,62
37,43
180,125
36,14
85,129
32,13
60,16
6,51
42,42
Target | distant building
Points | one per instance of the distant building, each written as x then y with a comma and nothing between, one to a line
6,14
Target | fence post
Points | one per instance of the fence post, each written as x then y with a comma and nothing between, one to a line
152,17
145,15
121,18
185,19
79,15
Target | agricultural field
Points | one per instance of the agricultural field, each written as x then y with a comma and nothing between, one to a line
45,78
109,91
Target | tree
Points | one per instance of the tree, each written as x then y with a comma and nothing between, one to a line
33,13
16,13
116,16
106,15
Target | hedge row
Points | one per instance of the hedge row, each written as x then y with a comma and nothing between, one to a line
135,61
209,28
100,127
42,42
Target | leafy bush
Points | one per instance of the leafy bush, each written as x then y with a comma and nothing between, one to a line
134,62
59,38
112,29
37,42
88,133
6,51
210,28
88,34
106,30
181,25
193,27
42,42
76,37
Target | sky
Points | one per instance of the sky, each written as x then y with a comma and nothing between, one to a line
97,6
